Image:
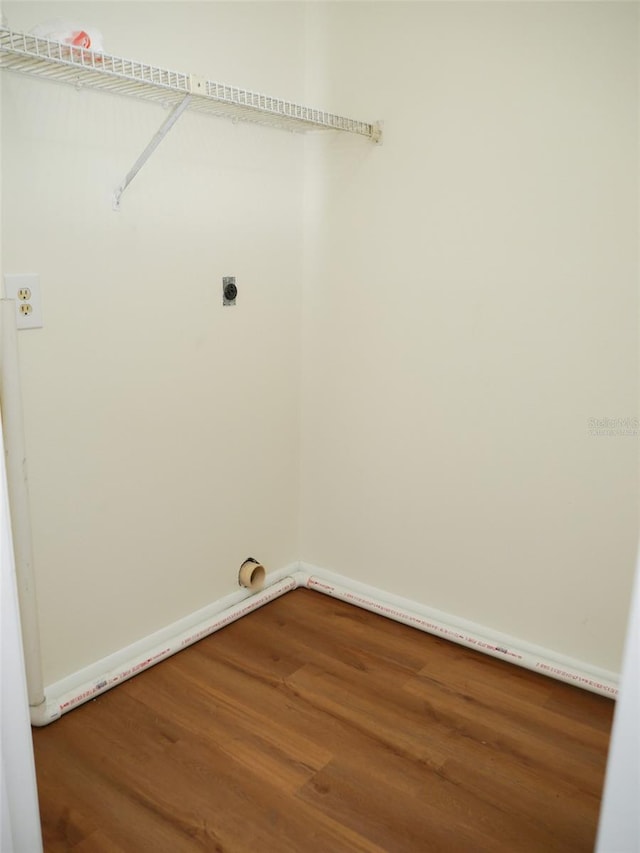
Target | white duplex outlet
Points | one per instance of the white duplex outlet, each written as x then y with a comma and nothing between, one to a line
24,288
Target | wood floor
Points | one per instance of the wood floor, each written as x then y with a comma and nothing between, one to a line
312,725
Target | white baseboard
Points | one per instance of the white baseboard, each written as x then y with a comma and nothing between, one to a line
89,682
470,634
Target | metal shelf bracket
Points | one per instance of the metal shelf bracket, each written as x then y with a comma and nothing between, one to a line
160,134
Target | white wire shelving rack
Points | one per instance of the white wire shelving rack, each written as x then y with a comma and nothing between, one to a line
40,57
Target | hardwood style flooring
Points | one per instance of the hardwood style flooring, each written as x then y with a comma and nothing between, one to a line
312,725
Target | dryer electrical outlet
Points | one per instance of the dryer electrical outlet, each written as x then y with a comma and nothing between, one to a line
229,290
24,288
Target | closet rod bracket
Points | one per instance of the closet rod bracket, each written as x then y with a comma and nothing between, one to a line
160,134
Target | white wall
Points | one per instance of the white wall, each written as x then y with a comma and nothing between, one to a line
470,303
162,430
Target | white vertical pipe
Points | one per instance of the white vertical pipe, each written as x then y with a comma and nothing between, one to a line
11,403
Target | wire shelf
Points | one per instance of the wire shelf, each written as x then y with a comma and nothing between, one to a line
35,56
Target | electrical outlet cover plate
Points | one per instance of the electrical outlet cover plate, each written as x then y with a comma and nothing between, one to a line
24,288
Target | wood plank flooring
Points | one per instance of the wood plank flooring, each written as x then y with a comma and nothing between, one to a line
312,725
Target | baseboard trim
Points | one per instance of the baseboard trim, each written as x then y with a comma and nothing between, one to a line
91,681
470,634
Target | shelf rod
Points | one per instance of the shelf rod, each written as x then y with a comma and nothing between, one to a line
160,134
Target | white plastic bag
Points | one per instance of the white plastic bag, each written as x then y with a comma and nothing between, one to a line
76,35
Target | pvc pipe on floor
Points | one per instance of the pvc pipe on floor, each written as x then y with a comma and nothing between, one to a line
18,487
52,709
374,600
378,604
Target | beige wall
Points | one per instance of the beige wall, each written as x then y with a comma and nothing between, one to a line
471,301
161,429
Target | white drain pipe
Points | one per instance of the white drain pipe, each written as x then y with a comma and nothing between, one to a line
360,595
18,487
377,601
54,708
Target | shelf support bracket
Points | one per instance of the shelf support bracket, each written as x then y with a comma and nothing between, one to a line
160,134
